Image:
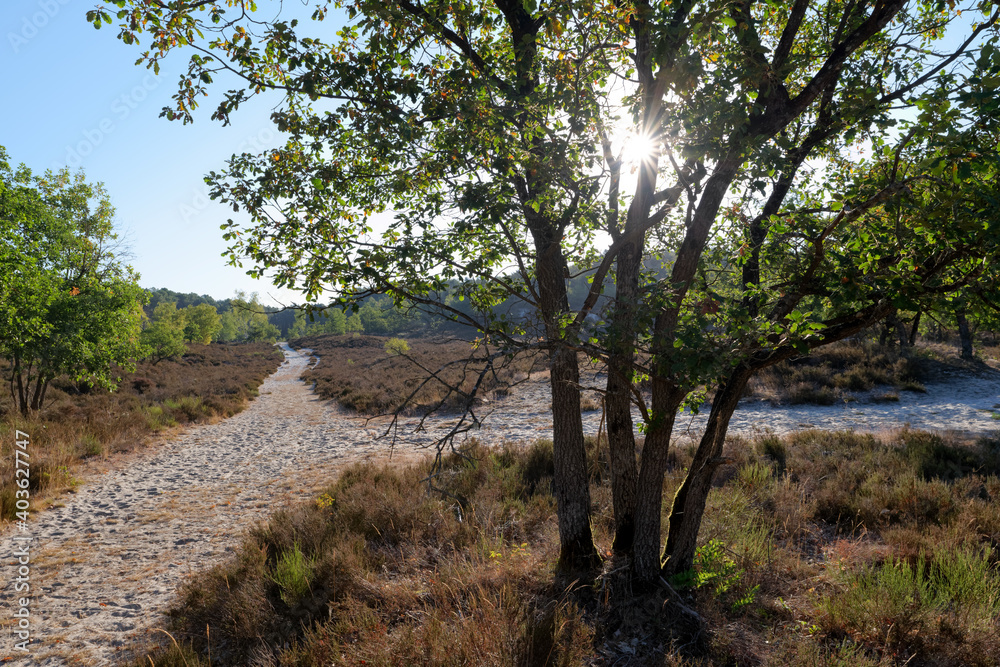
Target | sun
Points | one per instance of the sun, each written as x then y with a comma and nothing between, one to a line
637,147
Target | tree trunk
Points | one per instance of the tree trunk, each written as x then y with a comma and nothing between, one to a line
22,394
689,503
887,327
903,336
914,329
649,504
572,489
617,400
964,334
39,393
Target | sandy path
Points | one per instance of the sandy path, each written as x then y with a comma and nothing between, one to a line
110,558
107,561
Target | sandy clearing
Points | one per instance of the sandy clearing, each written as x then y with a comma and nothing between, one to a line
108,561
961,402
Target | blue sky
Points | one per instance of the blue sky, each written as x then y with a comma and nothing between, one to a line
74,97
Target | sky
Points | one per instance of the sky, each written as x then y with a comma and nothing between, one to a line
73,96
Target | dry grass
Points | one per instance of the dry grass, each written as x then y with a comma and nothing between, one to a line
380,571
358,373
818,549
79,422
839,372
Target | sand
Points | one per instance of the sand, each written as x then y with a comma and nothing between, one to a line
106,561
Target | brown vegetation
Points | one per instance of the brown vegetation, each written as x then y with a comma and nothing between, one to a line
818,549
837,373
361,374
79,421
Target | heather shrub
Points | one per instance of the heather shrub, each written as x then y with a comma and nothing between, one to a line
371,375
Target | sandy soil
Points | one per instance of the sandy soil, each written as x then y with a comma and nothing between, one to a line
962,402
107,560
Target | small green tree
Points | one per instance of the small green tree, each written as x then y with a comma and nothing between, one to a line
227,328
396,346
300,326
164,337
203,321
67,304
316,321
354,324
335,322
372,319
246,322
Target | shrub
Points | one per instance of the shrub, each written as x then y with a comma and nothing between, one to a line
902,603
90,446
381,569
396,346
292,574
714,568
824,377
773,447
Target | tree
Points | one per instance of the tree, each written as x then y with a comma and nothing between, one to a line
334,322
491,131
460,113
67,303
317,320
165,335
372,319
246,321
820,252
203,321
353,324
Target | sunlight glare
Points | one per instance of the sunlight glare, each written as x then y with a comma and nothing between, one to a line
636,149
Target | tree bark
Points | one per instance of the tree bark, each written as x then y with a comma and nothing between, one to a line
887,327
689,503
915,329
964,334
22,396
39,393
618,404
649,504
572,489
903,336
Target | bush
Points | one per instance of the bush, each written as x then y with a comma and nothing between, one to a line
824,377
396,346
379,569
903,604
848,557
